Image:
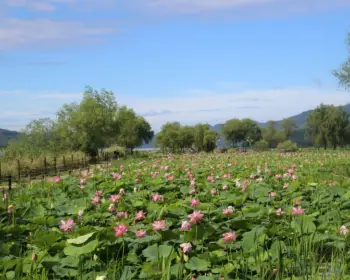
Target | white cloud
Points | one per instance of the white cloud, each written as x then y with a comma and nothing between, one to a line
17,33
213,107
255,8
53,5
188,107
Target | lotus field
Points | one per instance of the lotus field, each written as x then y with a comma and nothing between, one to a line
219,216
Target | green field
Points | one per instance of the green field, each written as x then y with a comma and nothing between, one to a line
204,216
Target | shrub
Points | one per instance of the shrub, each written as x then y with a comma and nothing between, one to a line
287,146
262,145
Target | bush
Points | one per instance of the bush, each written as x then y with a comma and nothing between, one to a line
287,146
262,145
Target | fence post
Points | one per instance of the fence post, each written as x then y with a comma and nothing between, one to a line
18,170
55,165
10,182
45,166
64,163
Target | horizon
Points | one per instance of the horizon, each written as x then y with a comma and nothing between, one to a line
185,61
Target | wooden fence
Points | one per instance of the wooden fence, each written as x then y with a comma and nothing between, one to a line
49,169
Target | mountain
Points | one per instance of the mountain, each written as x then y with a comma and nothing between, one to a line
298,137
6,135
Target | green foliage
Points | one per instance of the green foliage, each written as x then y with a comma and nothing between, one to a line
343,74
273,136
169,136
262,145
287,146
244,131
289,126
176,138
133,130
275,236
199,131
91,124
209,140
328,126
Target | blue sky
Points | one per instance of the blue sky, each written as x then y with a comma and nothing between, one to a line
186,60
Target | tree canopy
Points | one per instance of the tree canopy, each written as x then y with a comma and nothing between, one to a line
328,126
244,131
88,126
177,138
343,73
133,130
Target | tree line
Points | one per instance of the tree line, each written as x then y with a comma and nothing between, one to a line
93,124
326,126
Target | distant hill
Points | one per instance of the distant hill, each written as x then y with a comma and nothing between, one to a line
6,135
300,120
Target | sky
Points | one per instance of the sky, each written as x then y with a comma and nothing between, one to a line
172,60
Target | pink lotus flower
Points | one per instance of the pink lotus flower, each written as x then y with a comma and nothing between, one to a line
186,248
171,178
159,225
56,179
196,217
294,177
67,225
192,191
120,230
211,179
96,200
99,193
185,226
225,188
114,198
228,211
194,202
260,180
272,194
193,183
157,197
121,168
279,212
137,180
140,215
229,236
291,171
139,171
297,210
213,192
116,176
111,208
278,176
344,230
122,214
82,181
297,201
141,233
285,186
